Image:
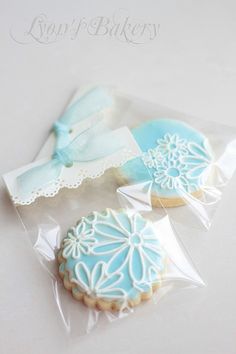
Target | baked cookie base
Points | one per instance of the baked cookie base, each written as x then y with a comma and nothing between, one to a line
100,304
173,202
156,200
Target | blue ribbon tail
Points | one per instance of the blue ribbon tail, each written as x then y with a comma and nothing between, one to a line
32,180
92,102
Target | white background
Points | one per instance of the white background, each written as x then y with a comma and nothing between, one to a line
191,67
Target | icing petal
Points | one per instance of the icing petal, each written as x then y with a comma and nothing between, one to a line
198,151
152,253
183,181
192,160
84,247
136,265
164,182
170,183
152,239
196,172
120,223
108,247
76,251
111,281
82,276
80,227
70,235
67,250
118,260
109,230
97,274
141,224
167,137
71,249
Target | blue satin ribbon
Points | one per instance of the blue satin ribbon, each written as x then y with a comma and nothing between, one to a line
92,102
91,144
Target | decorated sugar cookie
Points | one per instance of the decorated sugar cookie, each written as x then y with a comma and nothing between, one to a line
111,260
176,157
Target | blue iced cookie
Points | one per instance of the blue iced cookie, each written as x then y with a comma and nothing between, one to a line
176,157
111,260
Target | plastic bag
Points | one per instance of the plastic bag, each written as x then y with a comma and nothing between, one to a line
99,236
189,161
127,259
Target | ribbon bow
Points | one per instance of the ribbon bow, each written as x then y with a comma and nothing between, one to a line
90,144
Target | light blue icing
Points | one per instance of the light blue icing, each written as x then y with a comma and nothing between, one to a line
113,255
175,157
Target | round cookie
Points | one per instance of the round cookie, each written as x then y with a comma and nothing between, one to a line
176,157
111,260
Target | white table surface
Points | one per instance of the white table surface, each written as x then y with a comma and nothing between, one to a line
191,67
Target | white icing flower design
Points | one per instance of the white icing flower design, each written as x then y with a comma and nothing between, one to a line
78,240
96,283
130,240
151,158
178,163
171,174
198,159
172,146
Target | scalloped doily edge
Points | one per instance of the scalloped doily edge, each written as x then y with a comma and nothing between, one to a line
60,184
